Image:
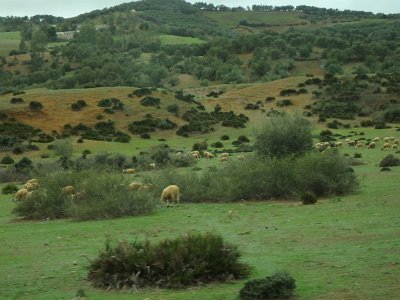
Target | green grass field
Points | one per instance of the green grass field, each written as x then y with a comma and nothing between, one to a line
167,39
340,248
9,41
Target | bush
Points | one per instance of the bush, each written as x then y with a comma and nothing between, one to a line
200,146
284,102
284,135
25,164
357,155
308,198
225,137
217,145
173,108
9,189
279,285
145,136
150,101
390,161
185,261
35,106
105,195
7,160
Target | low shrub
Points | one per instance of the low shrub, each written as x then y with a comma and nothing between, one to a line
389,161
308,198
190,260
357,155
35,106
225,137
217,145
150,101
277,286
7,160
9,189
103,195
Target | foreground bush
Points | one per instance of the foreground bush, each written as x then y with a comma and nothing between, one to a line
193,259
277,286
9,189
99,196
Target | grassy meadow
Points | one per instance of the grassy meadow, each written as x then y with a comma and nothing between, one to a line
340,248
8,42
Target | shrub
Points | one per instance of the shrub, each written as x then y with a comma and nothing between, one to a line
308,198
35,106
185,261
140,92
145,136
173,108
9,189
25,164
150,101
7,160
357,155
284,102
284,135
225,137
217,145
390,161
17,150
200,146
105,196
279,285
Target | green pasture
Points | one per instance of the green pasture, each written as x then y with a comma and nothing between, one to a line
340,248
167,39
9,41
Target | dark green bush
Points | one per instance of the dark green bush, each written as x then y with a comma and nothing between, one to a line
308,198
145,136
140,92
224,137
173,108
9,189
190,260
25,164
200,146
103,195
35,106
150,101
357,155
284,135
7,160
217,145
389,161
278,286
284,102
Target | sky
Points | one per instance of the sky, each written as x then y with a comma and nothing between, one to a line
70,8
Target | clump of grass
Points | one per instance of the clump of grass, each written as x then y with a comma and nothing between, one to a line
190,260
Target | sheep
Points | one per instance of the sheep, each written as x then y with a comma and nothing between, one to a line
240,157
224,158
386,146
68,190
376,140
33,180
351,143
371,145
79,195
386,139
338,144
20,195
225,154
134,186
147,186
195,155
152,166
128,171
170,193
209,155
396,142
31,186
359,145
392,138
394,146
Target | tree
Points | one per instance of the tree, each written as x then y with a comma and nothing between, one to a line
39,41
284,135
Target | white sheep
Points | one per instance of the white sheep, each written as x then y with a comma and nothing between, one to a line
376,139
359,145
147,186
338,144
386,146
371,145
68,190
20,195
224,158
209,155
33,180
31,186
394,146
128,171
225,154
170,193
240,157
134,186
152,166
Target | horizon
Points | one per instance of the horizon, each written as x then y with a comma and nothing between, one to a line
73,8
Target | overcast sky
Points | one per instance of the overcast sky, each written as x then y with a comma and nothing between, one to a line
70,8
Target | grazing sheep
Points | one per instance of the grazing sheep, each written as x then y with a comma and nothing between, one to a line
386,139
152,166
170,193
376,140
209,155
20,195
68,190
351,143
392,138
240,157
195,155
128,171
338,144
225,154
372,145
79,195
147,186
224,158
33,180
134,186
31,186
396,142
386,146
394,146
359,145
